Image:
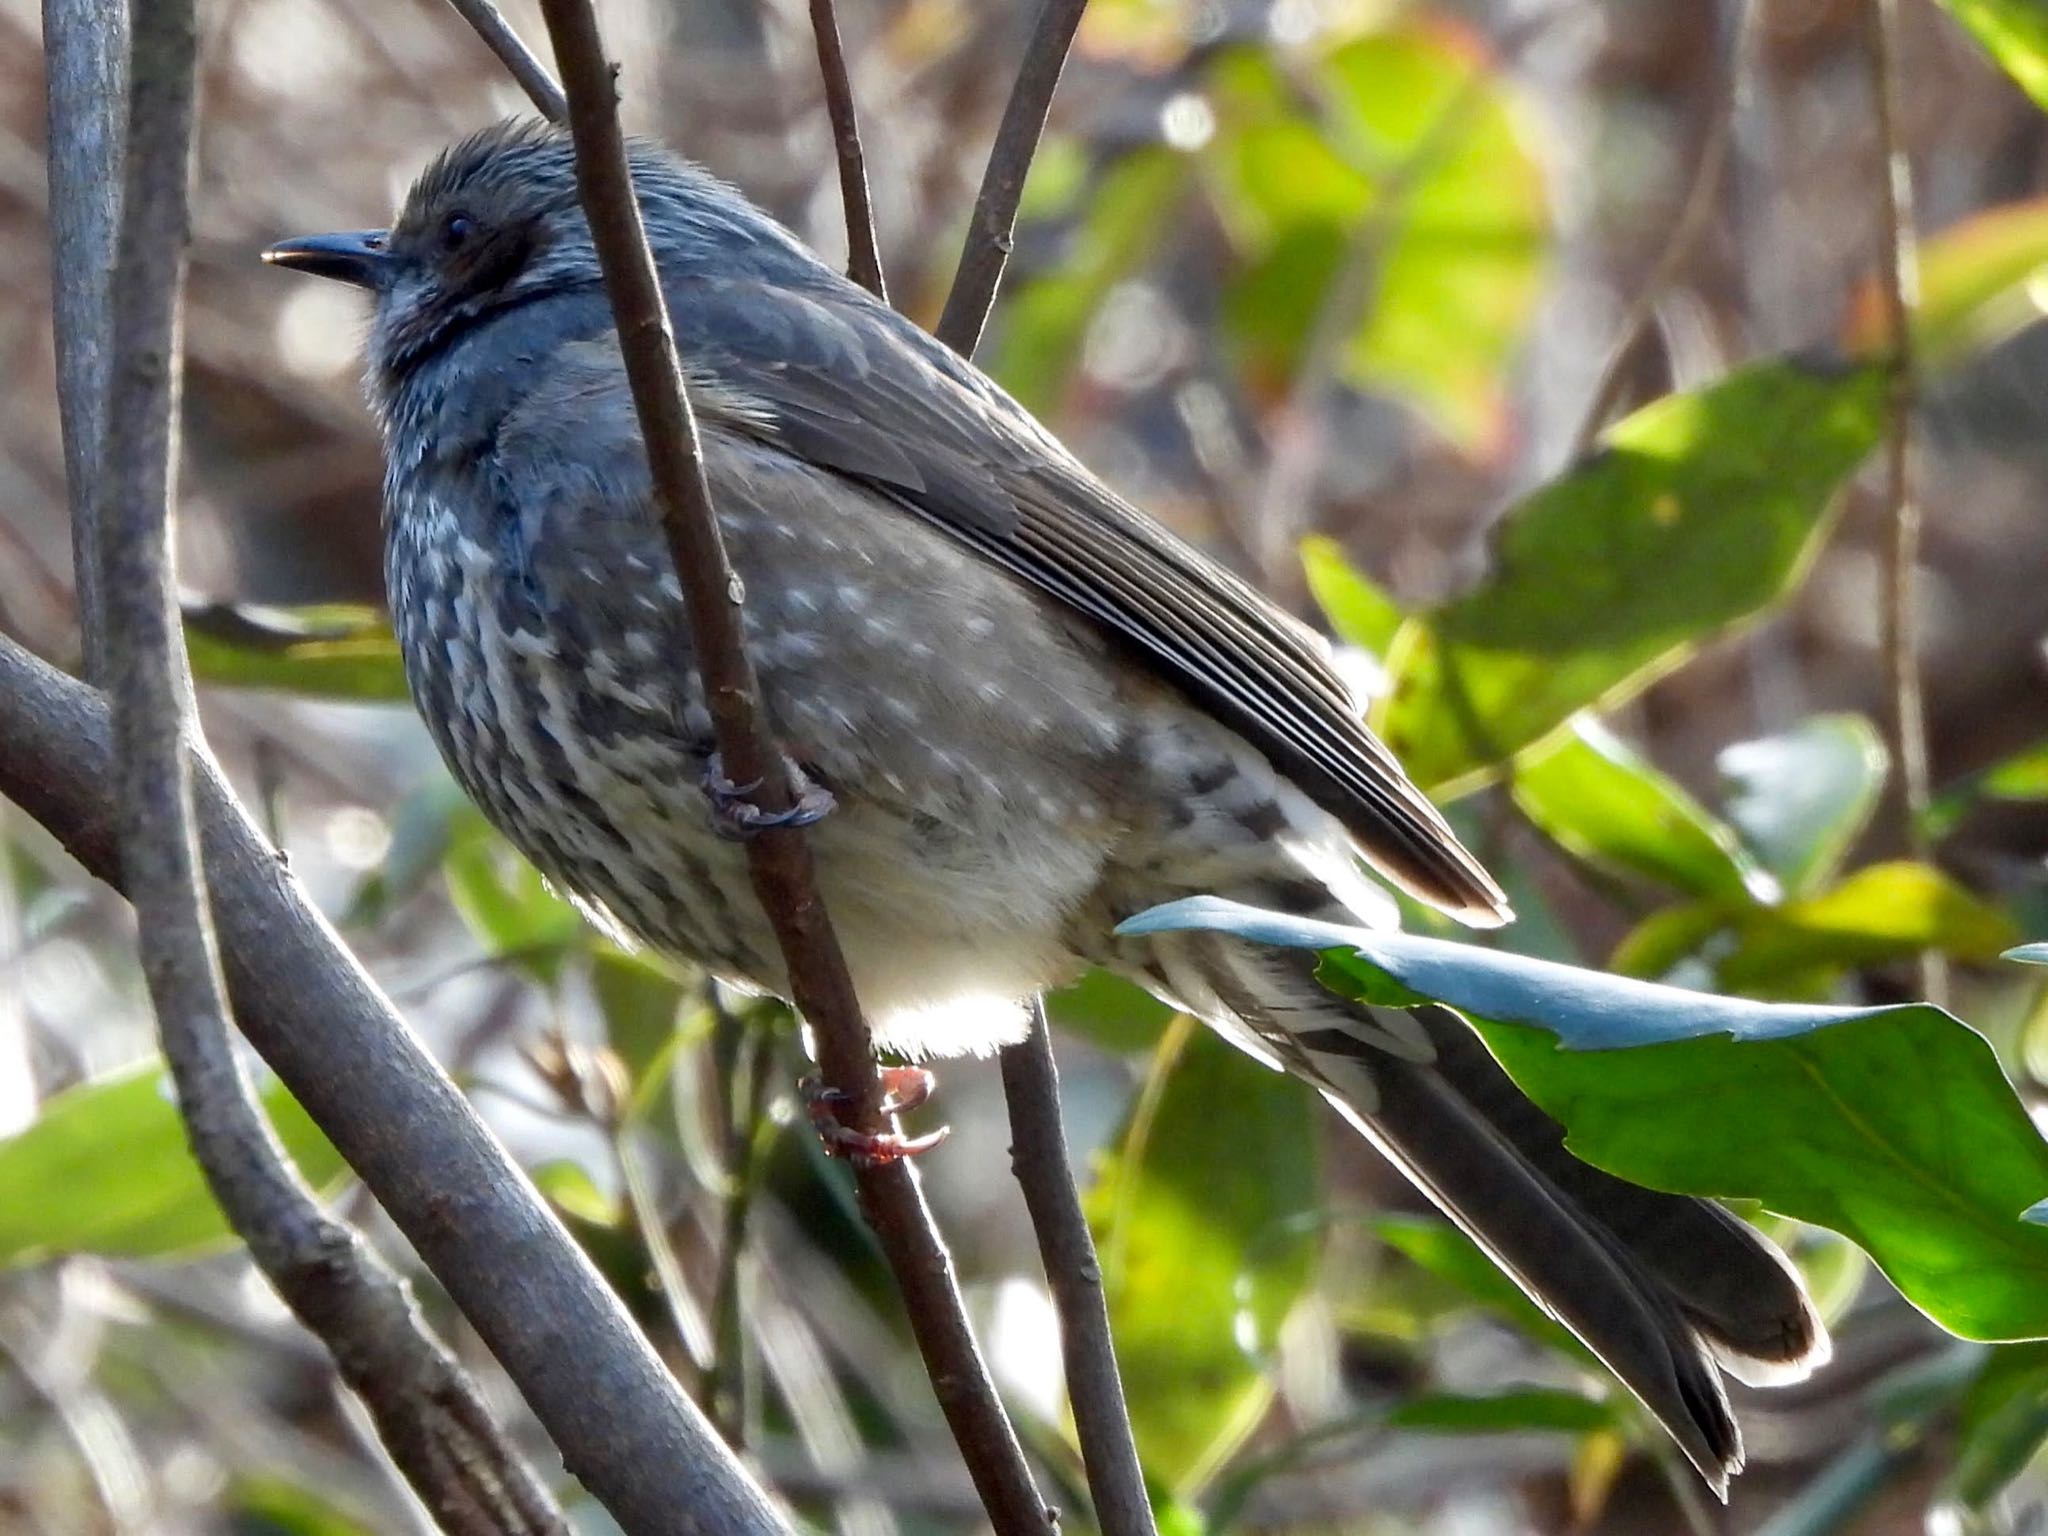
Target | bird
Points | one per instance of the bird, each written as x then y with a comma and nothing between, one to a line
1033,711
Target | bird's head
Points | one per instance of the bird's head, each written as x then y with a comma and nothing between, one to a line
491,225
494,224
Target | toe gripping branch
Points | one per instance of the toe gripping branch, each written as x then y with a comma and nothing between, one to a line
735,815
903,1089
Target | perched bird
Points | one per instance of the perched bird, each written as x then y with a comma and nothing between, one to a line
1036,710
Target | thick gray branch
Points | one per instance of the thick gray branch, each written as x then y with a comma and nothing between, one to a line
622,1424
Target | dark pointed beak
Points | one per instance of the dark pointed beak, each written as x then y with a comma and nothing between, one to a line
359,257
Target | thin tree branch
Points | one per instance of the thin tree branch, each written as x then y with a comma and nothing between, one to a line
991,229
1899,282
85,62
1038,1157
779,859
427,1411
520,61
863,256
1678,245
623,1426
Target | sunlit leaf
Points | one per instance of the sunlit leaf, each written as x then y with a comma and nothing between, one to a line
1980,281
1113,1013
1198,1217
1399,200
1701,511
2023,777
105,1169
1045,319
1880,913
1359,612
1531,1408
2014,32
266,1505
1893,1126
329,652
506,902
1591,793
1801,799
570,1189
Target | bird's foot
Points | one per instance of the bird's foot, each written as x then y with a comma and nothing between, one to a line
735,816
903,1089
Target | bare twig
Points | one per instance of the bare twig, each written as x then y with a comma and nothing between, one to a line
520,61
427,1411
1678,245
863,256
779,859
992,228
85,56
1038,1157
1899,282
623,1426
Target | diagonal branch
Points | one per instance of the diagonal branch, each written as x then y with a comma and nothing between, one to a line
863,255
622,1425
992,227
779,858
428,1412
520,61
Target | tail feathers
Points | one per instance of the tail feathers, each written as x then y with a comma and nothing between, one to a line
1664,1289
1570,1267
1736,1289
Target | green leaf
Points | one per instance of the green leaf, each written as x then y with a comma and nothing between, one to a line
1197,1215
2021,778
105,1169
570,1189
1109,1011
2014,32
640,997
1496,1412
1657,945
1892,1126
1977,286
507,903
268,1505
1359,612
1802,798
1447,1253
334,651
1045,321
1590,793
1418,172
1880,913
1701,511
2003,1424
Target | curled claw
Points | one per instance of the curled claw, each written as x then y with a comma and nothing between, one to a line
903,1088
734,814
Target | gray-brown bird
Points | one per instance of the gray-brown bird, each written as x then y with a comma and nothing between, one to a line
1038,712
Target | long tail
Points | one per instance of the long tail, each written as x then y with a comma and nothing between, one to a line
1666,1290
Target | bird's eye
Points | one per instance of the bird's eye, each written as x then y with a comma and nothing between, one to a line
458,229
